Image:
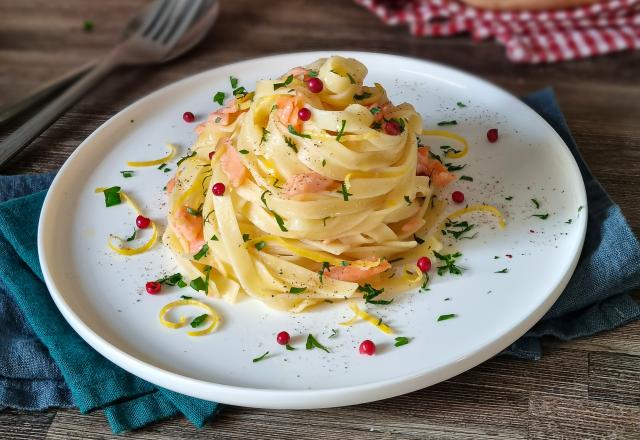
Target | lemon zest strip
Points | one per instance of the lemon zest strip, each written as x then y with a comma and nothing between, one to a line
150,163
361,314
450,135
213,316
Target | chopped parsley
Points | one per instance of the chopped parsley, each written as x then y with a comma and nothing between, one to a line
345,193
408,200
535,203
400,122
508,198
260,358
289,347
246,237
569,221
126,174
374,110
449,265
325,265
132,237
280,222
451,167
460,104
219,98
505,270
376,126
442,123
243,151
188,156
283,84
324,221
199,320
263,198
214,237
362,96
239,92
173,280
324,162
233,81
446,149
186,297
297,290
418,239
312,73
265,135
369,293
341,132
290,143
198,284
468,178
112,196
313,343
334,333
351,80
87,25
294,132
445,317
260,245
202,252
541,216
401,340
458,229
580,208
195,212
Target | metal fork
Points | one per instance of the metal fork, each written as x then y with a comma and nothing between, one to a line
161,28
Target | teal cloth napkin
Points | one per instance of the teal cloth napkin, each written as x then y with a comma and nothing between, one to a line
94,382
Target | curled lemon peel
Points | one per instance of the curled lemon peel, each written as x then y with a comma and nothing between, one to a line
411,269
131,251
361,314
450,135
150,163
212,316
476,208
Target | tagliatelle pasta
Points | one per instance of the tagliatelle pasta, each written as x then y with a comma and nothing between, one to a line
293,206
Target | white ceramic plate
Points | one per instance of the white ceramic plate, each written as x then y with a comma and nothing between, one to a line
102,294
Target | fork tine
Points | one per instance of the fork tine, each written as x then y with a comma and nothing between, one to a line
155,9
162,20
182,23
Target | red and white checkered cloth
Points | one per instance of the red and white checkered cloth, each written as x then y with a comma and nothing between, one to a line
529,36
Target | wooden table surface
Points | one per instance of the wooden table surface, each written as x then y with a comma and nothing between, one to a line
589,388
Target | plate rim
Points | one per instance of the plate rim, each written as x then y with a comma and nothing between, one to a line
301,399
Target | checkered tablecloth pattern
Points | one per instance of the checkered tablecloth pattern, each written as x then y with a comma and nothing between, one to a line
529,36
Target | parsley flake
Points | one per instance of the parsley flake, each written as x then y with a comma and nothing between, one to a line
445,317
112,196
132,237
468,178
188,156
289,347
260,245
87,25
508,198
460,104
505,270
535,203
345,193
334,333
341,132
283,84
458,229
449,265
408,200
173,280
294,132
265,135
313,343
202,252
362,96
442,123
126,174
400,341
243,151
370,292
199,320
199,285
541,216
186,297
297,290
261,357
290,143
219,98
418,239
234,82
280,221
351,80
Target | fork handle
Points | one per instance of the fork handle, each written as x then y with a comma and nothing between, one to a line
45,117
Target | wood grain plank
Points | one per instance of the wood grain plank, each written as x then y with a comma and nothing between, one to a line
614,378
417,415
552,417
559,372
18,425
